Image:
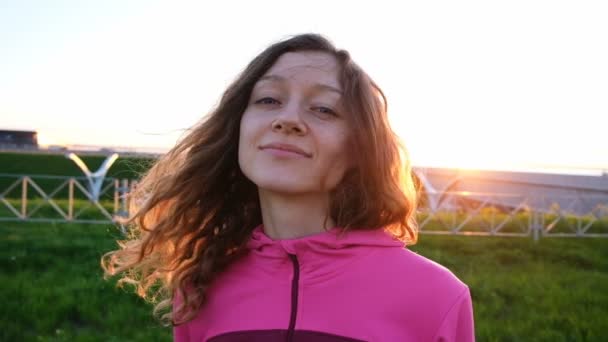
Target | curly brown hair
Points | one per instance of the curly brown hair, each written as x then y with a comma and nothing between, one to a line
194,210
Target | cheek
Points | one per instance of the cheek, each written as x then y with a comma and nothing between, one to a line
336,161
250,134
340,151
245,140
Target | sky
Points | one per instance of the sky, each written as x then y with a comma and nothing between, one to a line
512,85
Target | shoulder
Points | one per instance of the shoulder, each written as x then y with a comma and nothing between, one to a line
418,294
418,274
426,268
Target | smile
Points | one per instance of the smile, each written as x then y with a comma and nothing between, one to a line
284,150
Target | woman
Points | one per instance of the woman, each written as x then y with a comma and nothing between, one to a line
284,216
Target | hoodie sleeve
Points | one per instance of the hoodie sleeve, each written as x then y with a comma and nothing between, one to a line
458,326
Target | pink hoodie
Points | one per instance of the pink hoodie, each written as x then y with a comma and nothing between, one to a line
359,286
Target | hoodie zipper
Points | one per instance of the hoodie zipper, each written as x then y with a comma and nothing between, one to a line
294,297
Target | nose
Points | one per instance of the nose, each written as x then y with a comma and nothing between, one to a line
289,122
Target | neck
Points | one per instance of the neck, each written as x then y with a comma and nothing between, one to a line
288,216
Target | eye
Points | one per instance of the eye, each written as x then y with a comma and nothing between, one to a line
267,101
325,110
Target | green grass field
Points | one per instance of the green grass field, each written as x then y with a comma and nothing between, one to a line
551,290
52,286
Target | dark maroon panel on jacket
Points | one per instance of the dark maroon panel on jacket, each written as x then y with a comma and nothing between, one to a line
279,336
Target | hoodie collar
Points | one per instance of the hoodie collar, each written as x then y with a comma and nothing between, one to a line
333,243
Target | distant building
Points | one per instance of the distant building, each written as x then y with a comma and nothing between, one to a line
18,139
576,194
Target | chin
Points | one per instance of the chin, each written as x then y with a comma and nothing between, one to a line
286,187
279,179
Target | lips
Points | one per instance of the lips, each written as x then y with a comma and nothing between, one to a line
286,147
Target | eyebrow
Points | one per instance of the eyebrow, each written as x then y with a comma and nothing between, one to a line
316,85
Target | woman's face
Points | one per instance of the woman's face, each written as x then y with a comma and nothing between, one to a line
293,134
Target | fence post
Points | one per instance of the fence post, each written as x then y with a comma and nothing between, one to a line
116,195
124,192
579,226
24,197
535,226
71,199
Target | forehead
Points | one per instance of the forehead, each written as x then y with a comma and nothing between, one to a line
307,66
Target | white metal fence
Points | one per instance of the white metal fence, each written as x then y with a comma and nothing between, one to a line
41,198
68,199
467,213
